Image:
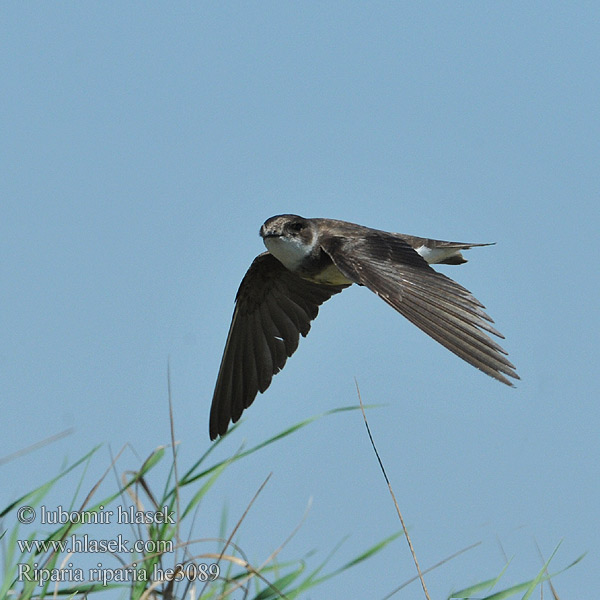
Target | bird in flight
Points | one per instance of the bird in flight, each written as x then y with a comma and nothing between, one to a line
310,260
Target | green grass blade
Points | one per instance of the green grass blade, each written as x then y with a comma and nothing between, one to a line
42,490
480,587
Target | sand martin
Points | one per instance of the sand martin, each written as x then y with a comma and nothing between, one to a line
310,260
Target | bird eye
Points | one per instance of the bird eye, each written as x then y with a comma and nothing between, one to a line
297,226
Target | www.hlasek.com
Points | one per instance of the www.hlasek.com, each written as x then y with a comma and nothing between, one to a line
190,571
80,544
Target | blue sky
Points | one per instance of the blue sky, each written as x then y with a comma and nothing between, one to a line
143,145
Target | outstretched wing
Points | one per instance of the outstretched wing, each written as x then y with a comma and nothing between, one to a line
273,307
450,314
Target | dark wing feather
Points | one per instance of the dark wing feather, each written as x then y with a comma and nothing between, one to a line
442,308
273,307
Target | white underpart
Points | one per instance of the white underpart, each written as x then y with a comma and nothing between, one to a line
288,251
436,255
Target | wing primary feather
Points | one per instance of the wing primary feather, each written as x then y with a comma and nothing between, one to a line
441,319
237,375
470,357
265,355
450,311
457,296
276,345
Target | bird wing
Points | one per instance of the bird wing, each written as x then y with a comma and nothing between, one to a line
450,314
273,307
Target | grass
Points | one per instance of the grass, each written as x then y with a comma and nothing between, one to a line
170,564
